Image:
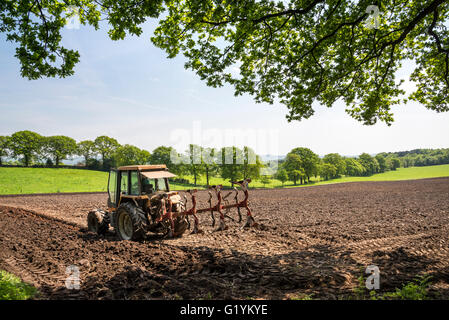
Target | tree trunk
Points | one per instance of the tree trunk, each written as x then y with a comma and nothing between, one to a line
27,160
102,161
207,176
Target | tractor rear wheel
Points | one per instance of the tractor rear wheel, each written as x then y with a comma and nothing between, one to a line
98,221
130,222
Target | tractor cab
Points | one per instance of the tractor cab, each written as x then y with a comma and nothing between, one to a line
137,182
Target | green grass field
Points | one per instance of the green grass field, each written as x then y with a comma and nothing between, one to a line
46,180
42,180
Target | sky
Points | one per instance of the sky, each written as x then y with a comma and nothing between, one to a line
131,91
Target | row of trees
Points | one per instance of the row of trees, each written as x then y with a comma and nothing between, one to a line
105,152
301,164
29,148
230,163
421,157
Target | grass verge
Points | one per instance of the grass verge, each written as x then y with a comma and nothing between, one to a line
12,288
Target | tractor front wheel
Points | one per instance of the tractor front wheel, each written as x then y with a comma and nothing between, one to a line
130,222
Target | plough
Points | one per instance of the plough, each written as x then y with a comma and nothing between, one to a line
222,206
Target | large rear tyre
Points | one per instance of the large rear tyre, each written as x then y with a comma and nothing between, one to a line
98,221
130,222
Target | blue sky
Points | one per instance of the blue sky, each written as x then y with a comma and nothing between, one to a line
130,90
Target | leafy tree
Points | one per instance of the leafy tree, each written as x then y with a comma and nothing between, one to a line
105,146
251,164
129,155
230,162
293,166
295,175
195,161
369,163
282,176
4,147
309,161
86,149
327,171
354,167
338,162
26,144
208,160
265,179
395,163
163,155
297,52
382,163
59,147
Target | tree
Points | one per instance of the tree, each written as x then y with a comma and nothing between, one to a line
251,164
129,155
208,161
293,166
297,52
395,163
338,162
354,167
4,147
26,144
382,163
59,147
195,161
369,163
282,176
231,159
105,146
295,175
86,149
161,155
309,161
327,171
264,179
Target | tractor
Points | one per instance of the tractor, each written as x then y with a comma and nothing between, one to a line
140,201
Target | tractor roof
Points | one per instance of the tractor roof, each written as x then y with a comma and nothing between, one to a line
144,167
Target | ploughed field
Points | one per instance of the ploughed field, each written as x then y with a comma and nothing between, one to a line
313,241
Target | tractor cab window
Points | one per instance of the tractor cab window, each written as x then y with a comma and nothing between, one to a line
124,183
134,183
148,185
112,186
160,185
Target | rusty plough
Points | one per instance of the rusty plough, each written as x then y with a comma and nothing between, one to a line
222,206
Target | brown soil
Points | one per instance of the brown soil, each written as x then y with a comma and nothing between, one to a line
310,241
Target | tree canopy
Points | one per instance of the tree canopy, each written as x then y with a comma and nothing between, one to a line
4,143
59,147
86,149
296,52
26,144
128,155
